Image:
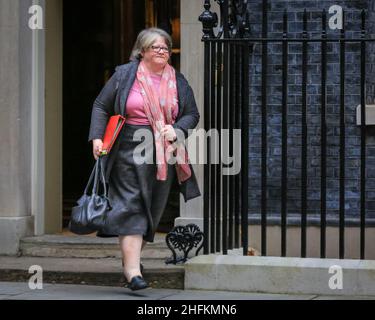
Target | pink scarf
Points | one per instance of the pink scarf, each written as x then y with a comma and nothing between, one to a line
158,107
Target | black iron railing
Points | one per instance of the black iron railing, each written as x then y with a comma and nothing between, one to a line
226,106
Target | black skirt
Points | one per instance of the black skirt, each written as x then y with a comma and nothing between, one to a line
138,200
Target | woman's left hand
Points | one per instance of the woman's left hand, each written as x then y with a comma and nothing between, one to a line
169,133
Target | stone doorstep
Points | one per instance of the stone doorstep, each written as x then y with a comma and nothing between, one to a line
73,246
67,237
102,272
84,241
280,275
86,251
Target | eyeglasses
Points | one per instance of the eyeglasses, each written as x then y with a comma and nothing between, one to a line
158,48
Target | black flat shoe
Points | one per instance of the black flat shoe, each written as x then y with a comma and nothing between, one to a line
137,283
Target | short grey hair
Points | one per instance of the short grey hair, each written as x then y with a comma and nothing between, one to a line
145,40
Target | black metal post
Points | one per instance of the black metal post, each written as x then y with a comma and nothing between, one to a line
284,152
219,77
209,21
363,137
225,192
213,147
264,130
323,133
207,165
232,95
342,145
245,148
238,121
304,139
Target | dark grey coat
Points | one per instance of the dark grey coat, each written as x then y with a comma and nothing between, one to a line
112,100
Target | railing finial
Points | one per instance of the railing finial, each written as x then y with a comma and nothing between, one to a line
209,21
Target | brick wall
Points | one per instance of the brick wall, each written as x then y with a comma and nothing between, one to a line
352,99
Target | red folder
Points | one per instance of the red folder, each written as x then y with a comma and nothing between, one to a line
112,130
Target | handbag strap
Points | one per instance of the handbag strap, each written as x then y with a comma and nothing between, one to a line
104,184
99,178
96,184
90,181
102,178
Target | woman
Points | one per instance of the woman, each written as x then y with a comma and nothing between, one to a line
157,99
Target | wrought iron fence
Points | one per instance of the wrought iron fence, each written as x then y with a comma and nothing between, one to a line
226,106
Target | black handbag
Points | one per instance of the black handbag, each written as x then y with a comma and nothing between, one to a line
91,211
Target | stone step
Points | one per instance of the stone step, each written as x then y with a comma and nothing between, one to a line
286,275
89,271
73,246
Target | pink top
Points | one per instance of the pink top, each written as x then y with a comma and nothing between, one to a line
134,105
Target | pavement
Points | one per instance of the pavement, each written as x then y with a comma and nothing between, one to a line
89,268
22,291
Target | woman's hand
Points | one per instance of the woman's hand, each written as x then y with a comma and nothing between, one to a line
168,133
97,145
